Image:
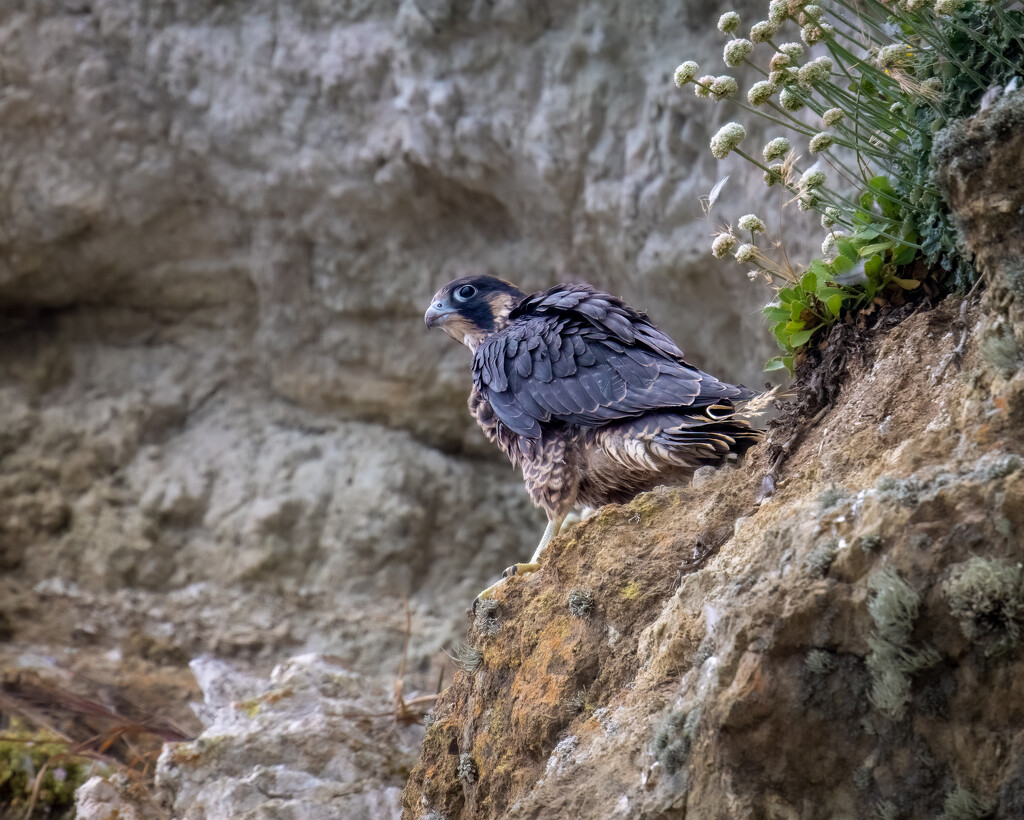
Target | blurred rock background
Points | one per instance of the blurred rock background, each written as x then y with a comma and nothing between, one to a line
224,429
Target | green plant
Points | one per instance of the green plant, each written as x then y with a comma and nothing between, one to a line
894,75
38,769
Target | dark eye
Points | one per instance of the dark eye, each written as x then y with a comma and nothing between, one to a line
465,292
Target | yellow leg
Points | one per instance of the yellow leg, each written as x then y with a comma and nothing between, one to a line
554,525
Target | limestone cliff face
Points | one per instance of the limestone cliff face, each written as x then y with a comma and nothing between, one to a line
221,225
849,648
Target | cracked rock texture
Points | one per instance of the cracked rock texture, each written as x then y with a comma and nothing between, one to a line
851,648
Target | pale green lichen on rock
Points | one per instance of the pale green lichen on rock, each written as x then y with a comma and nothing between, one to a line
467,771
486,620
581,603
986,596
1000,351
468,658
673,738
821,557
962,804
819,662
893,606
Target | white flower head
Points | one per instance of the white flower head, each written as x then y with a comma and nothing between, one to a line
761,92
812,34
821,141
724,86
790,100
752,223
745,253
779,61
784,77
702,88
808,202
828,247
947,7
685,73
778,11
893,56
813,12
763,32
773,174
816,72
736,51
776,149
723,244
729,136
812,178
792,50
833,117
728,22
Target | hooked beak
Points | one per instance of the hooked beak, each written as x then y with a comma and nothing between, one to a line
437,314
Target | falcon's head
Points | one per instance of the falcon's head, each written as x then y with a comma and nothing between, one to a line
472,308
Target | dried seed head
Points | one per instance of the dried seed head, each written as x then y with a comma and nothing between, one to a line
776,149
761,92
752,223
821,141
685,73
723,244
728,137
833,116
728,22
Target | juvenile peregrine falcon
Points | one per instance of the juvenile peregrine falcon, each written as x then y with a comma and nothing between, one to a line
586,395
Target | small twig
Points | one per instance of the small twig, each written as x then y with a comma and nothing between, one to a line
955,356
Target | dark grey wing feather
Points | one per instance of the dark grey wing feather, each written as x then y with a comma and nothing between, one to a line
576,356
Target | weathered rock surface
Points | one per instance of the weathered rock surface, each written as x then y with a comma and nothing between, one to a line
220,227
312,742
850,648
223,427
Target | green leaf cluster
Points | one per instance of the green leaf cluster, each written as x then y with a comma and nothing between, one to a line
867,263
